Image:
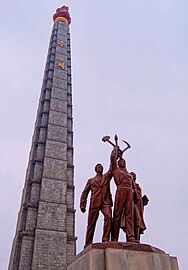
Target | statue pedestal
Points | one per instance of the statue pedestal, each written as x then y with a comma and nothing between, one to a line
126,256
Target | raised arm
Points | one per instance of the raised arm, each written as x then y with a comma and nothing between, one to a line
83,199
113,158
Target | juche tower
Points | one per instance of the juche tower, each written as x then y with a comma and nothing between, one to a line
45,233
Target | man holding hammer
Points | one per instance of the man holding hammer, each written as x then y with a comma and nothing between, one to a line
124,198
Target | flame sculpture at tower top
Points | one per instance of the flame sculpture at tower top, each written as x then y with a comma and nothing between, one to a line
62,13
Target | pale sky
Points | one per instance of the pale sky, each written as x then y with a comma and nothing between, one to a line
129,64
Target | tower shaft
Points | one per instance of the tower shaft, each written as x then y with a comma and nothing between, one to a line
45,233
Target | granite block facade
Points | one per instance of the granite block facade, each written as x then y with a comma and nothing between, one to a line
59,73
56,149
26,253
58,118
58,105
55,168
59,93
59,83
61,57
57,133
50,250
51,215
53,190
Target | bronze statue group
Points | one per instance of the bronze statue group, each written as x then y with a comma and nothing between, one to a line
128,205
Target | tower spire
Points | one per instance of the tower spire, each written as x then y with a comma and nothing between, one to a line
45,233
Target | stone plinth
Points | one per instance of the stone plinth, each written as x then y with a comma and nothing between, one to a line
126,256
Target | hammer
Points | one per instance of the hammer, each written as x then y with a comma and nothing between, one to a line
107,139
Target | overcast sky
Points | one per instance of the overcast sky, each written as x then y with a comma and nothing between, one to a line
130,63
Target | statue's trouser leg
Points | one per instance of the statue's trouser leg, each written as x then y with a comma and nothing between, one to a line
141,214
92,219
129,214
107,212
137,233
137,221
118,208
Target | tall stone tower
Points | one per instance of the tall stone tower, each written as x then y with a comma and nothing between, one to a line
45,233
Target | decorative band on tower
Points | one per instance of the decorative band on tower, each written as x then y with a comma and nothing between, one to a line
62,14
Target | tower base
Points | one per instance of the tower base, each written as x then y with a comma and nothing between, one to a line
126,256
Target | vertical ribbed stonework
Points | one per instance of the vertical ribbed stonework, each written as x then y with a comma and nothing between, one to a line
45,233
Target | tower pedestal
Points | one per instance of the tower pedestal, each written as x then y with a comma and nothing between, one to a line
127,256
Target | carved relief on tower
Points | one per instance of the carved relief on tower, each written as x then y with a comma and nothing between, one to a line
61,65
61,43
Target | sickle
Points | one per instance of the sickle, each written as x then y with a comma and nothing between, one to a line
128,146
